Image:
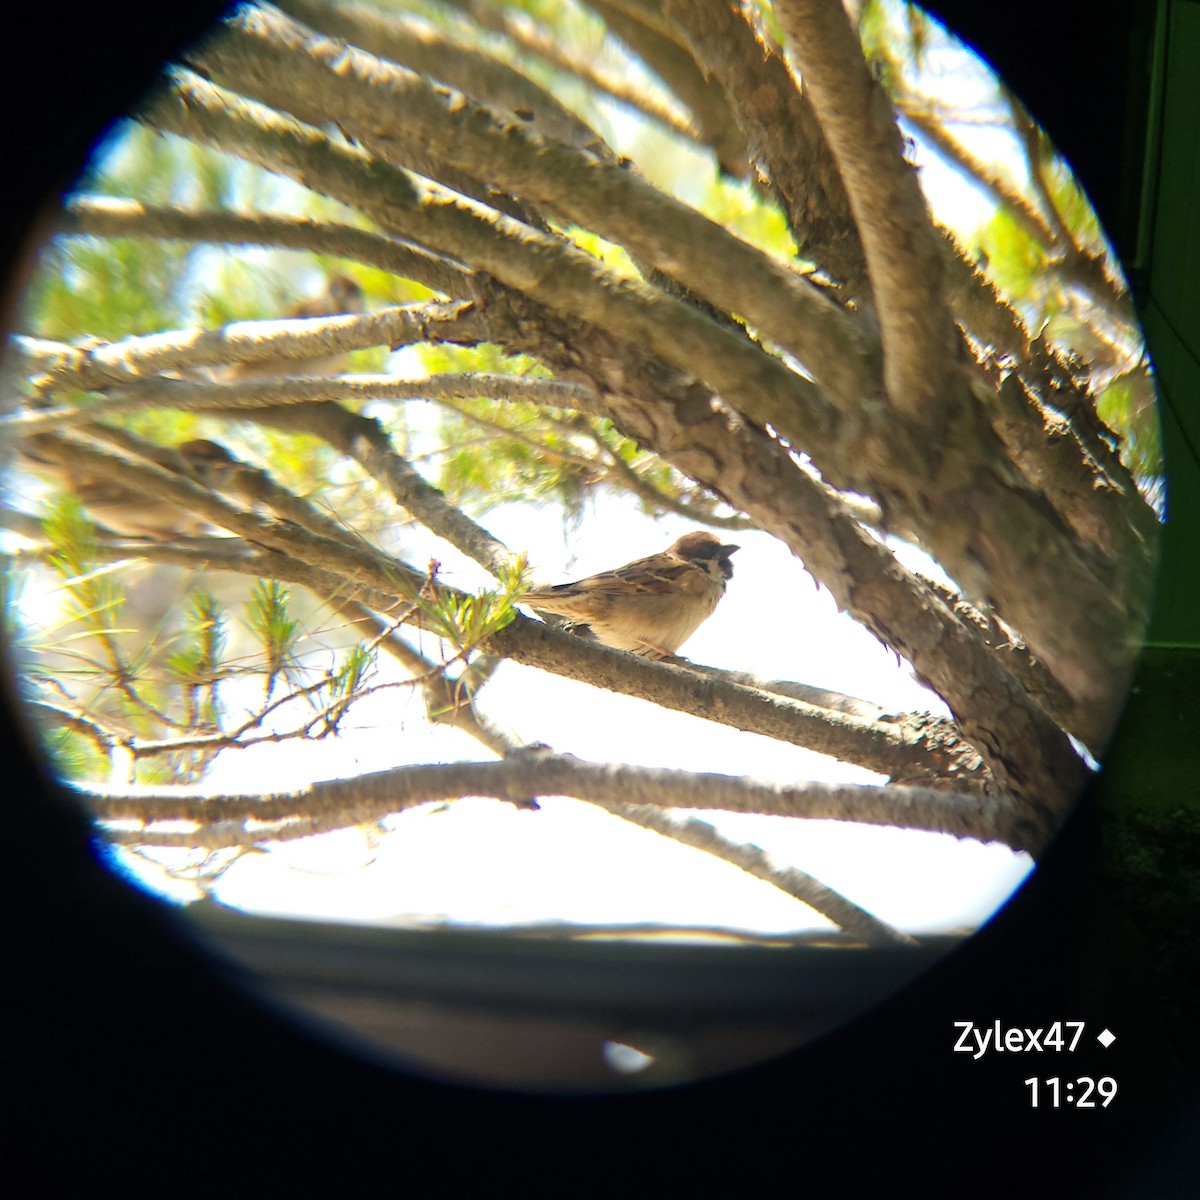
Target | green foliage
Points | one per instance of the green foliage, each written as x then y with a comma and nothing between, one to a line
204,636
740,209
1015,262
344,686
487,357
613,256
269,620
482,468
94,594
196,666
491,453
768,21
467,621
1127,406
108,288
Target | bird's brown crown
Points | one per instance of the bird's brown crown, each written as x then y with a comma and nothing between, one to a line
701,547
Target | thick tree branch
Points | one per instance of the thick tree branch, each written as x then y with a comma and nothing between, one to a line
998,538
784,138
877,745
420,47
654,41
337,803
893,222
1051,457
554,271
394,113
1010,549
90,367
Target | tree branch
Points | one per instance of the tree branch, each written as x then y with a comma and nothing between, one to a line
999,539
393,112
337,803
783,135
757,476
893,222
90,367
1011,549
530,39
654,41
335,568
421,47
800,885
106,216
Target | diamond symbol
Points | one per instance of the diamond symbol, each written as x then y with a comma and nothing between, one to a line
1105,1038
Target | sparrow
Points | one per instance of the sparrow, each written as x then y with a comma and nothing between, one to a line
210,463
130,513
127,512
341,295
650,606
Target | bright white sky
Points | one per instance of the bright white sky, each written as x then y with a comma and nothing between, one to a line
483,861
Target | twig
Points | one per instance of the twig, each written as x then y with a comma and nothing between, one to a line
105,216
700,835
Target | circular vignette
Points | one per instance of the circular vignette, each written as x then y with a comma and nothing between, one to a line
1041,832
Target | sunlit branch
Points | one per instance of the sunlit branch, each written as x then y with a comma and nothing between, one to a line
525,34
95,730
106,216
877,745
421,47
778,122
657,43
337,803
931,127
800,885
271,59
893,222
60,365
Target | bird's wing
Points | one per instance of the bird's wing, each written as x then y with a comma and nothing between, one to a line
653,576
